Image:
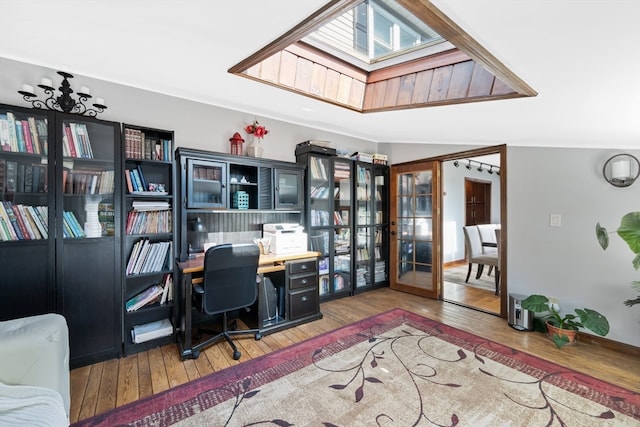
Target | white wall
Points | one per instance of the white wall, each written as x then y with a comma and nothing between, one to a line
196,125
564,262
454,206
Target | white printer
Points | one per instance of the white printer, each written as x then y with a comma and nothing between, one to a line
286,238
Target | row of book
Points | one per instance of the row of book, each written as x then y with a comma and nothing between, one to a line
139,146
137,184
88,181
319,192
28,135
319,218
23,177
23,222
159,292
150,331
148,222
207,173
317,168
147,257
75,141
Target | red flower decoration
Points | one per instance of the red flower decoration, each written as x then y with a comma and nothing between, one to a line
256,129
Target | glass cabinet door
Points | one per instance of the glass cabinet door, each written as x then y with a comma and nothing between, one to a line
320,220
381,225
342,221
206,184
26,206
364,223
288,188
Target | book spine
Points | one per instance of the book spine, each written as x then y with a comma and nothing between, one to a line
13,137
7,221
37,148
20,136
21,225
5,141
43,132
26,132
69,142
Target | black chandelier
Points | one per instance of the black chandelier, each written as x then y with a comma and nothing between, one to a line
490,169
63,102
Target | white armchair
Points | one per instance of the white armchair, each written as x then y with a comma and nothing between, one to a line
34,371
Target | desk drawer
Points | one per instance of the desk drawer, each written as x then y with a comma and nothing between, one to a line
303,303
303,266
303,281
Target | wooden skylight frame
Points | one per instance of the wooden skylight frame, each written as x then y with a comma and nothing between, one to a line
466,73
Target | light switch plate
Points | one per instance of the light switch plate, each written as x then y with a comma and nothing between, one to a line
555,220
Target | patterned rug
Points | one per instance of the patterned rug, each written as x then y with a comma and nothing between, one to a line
457,274
393,369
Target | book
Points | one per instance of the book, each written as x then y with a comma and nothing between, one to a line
13,138
22,148
145,297
150,331
5,142
26,132
37,148
43,135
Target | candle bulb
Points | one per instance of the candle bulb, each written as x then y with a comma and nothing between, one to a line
27,88
621,170
85,90
100,101
46,82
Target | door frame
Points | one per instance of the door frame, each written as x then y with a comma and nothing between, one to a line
437,205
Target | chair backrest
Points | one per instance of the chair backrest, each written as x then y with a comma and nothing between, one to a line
488,235
497,232
472,241
229,280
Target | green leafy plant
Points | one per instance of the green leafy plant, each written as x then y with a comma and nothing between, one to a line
583,318
629,231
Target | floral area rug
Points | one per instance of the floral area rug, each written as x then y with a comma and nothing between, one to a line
457,275
393,369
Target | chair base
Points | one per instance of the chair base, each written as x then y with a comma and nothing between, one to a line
224,334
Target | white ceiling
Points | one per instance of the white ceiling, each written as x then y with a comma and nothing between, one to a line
581,56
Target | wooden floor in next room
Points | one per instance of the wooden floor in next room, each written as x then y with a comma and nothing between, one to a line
103,386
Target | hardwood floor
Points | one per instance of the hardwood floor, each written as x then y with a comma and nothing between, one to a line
477,298
103,386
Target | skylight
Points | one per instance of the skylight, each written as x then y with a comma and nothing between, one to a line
374,31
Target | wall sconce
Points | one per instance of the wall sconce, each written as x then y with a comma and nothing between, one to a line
621,170
64,102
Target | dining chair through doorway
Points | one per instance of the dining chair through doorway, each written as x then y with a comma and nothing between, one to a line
475,254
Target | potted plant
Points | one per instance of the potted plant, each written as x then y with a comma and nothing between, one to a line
562,329
629,231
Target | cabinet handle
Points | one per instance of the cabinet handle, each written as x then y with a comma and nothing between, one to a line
304,281
304,299
303,267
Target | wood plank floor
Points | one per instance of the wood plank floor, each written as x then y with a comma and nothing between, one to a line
102,386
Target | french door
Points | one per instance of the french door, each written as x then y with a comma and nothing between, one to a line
415,265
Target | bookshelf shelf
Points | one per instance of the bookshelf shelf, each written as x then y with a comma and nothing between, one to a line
148,216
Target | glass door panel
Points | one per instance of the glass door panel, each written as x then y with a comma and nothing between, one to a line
412,231
206,184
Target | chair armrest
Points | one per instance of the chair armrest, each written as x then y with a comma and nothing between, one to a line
35,352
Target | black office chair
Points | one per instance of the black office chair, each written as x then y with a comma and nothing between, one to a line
228,284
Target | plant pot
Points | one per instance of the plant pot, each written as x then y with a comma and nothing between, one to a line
555,331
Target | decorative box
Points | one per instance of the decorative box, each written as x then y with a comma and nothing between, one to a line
240,200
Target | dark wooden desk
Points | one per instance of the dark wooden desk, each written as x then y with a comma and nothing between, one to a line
190,272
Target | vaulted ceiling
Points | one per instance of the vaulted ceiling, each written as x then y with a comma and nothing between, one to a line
579,56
